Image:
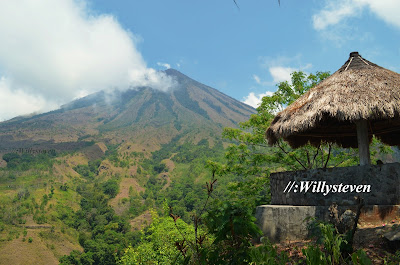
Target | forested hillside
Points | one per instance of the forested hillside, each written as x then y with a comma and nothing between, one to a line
82,182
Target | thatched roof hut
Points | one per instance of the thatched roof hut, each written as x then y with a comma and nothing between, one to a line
360,97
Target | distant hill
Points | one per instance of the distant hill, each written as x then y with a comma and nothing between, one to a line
144,116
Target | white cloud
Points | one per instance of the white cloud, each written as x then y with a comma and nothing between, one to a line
281,74
279,71
307,66
280,60
261,82
254,100
55,51
280,68
388,10
17,102
331,20
166,65
257,79
335,12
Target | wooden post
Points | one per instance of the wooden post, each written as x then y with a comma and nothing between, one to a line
363,143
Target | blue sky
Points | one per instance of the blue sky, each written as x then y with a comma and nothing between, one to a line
56,51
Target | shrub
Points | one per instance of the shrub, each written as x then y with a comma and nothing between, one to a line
111,188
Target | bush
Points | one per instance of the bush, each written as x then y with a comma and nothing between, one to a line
334,246
111,188
267,254
10,156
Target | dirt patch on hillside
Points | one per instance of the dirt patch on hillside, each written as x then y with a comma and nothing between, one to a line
2,162
141,221
74,160
95,151
102,146
63,172
201,179
132,171
170,164
124,186
39,251
108,169
29,221
19,252
165,176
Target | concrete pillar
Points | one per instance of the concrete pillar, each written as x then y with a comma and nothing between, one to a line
363,142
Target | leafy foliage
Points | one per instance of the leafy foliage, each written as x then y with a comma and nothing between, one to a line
26,161
103,235
267,254
335,246
158,243
90,170
233,226
111,187
253,156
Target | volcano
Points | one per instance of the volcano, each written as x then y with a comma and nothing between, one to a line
145,116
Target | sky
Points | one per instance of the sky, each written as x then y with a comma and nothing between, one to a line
52,52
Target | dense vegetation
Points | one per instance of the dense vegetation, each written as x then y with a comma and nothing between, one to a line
202,208
25,161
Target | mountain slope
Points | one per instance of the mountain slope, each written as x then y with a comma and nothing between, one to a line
143,115
118,155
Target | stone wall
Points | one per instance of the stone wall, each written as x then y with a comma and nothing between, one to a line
286,222
377,184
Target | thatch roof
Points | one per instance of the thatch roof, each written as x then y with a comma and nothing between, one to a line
328,112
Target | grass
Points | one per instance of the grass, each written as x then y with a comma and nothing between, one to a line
36,249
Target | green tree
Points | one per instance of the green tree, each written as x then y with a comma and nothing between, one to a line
159,243
233,227
111,187
250,159
253,150
10,156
